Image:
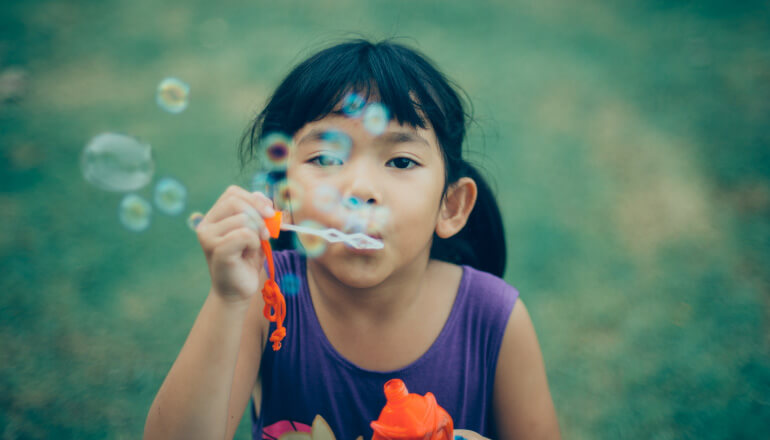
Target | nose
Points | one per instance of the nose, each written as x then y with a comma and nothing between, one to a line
362,184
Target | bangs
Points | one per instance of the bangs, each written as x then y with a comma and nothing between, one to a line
384,72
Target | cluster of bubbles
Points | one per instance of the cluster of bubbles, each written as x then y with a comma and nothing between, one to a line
353,214
375,116
121,163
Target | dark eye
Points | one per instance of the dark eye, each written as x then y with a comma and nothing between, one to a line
402,163
326,160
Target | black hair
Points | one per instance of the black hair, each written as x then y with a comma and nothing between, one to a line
409,85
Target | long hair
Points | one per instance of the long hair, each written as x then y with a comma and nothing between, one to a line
415,92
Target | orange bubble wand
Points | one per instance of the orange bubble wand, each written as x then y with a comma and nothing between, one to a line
275,303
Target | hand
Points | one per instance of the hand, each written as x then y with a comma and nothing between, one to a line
468,435
230,235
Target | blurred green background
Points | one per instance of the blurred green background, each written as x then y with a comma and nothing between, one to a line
628,142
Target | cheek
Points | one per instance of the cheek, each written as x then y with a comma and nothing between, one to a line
415,212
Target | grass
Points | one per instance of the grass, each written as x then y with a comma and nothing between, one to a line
628,147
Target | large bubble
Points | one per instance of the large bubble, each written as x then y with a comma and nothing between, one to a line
134,212
116,162
170,196
173,95
310,245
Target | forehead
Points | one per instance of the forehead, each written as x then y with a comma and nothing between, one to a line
355,128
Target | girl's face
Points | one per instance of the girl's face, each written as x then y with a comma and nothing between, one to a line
388,186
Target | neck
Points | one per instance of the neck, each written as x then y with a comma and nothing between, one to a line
394,297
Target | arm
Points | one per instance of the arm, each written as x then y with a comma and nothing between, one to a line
218,365
253,342
208,387
522,401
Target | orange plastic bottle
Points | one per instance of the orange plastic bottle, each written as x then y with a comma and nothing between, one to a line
410,416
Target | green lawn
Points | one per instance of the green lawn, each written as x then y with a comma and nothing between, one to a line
629,147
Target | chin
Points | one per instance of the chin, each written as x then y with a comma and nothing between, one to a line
356,270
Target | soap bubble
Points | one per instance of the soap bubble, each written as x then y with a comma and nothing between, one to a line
288,194
376,118
337,144
353,104
310,245
378,219
326,198
116,162
290,284
261,181
172,95
134,212
194,220
357,221
170,196
276,147
353,203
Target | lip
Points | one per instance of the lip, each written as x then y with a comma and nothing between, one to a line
353,250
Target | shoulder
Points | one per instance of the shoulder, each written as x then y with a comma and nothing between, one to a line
489,292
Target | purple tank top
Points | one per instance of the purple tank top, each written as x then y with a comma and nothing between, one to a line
308,381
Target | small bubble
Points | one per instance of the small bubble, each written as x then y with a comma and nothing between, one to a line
134,213
357,221
378,219
261,182
116,162
276,147
353,203
337,144
290,284
376,117
353,105
170,196
194,220
288,195
326,198
173,95
310,245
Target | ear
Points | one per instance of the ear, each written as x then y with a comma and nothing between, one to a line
456,207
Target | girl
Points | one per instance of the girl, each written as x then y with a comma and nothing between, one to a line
429,307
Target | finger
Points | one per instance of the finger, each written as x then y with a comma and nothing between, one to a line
238,243
236,201
247,219
266,202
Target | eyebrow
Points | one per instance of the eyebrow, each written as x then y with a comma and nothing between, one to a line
316,134
394,137
398,137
